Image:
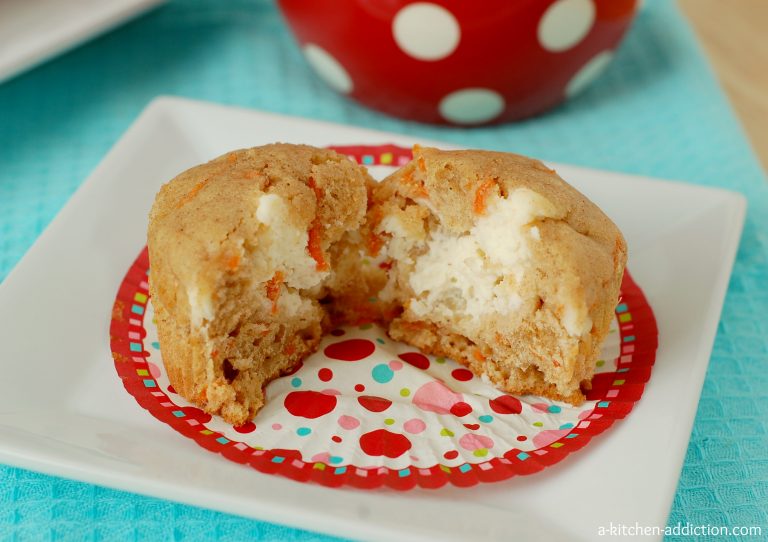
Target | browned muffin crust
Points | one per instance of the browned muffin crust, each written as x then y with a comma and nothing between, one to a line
240,253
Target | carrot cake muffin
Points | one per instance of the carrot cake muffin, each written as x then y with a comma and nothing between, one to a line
494,261
488,258
240,250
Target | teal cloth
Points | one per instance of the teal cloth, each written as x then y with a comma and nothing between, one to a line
657,111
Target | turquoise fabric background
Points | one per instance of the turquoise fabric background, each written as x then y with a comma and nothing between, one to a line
657,111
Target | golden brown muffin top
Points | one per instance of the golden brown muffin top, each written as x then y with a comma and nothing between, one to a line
205,218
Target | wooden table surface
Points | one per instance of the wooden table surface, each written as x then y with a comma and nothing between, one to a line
733,33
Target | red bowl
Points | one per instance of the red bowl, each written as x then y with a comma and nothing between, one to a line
459,62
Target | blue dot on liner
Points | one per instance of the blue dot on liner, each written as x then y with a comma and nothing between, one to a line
296,382
382,373
486,418
566,426
335,459
156,345
303,431
554,409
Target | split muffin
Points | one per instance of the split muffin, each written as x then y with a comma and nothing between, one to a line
240,251
488,258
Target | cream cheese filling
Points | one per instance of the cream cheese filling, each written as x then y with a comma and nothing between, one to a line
478,274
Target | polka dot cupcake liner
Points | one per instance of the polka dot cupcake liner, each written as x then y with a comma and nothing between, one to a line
366,411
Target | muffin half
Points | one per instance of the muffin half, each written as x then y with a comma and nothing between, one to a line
240,251
493,260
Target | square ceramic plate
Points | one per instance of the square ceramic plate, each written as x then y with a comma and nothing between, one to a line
64,411
32,31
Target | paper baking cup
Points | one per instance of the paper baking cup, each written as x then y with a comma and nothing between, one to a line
366,411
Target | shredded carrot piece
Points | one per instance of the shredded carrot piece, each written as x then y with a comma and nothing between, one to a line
316,189
478,355
386,265
417,186
202,397
232,158
214,354
289,349
233,262
189,196
375,216
374,242
416,148
555,363
422,165
273,289
482,194
315,233
314,246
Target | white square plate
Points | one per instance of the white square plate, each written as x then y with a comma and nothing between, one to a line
63,409
32,31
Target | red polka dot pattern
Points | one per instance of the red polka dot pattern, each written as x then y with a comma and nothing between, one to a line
386,443
247,427
374,404
417,359
452,59
350,350
309,404
506,404
462,375
461,409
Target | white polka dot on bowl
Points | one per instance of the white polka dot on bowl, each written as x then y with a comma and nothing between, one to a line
471,106
426,31
588,73
565,24
328,68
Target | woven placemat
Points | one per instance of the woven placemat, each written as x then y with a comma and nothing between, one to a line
657,111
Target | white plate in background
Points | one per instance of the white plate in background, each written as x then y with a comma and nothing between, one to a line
32,31
63,409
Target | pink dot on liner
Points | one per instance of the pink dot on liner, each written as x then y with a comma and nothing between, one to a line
154,370
548,436
436,397
277,426
395,365
414,426
322,457
331,391
541,407
348,422
471,441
